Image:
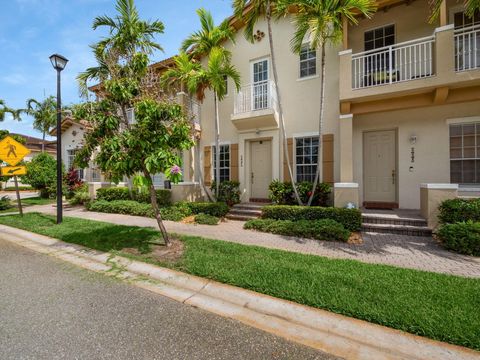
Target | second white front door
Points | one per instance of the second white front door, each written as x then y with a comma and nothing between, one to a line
380,166
261,168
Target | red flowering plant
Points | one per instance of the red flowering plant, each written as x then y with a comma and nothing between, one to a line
73,182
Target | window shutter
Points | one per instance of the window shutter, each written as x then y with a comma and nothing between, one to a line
234,162
286,175
207,165
327,157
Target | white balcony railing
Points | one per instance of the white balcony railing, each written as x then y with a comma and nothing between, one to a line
254,97
467,48
391,64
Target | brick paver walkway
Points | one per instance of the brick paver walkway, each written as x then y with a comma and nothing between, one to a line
421,253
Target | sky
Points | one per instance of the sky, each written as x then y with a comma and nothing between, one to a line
32,30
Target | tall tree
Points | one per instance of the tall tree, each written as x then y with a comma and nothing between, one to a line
4,109
44,115
208,42
320,22
251,11
151,143
128,34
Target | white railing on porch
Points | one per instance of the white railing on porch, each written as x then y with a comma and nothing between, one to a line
405,61
253,97
467,48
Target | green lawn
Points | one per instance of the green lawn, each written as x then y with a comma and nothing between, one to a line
27,202
438,306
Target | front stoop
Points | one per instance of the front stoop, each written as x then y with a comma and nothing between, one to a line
245,211
400,224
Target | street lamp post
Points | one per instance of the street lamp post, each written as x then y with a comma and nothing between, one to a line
59,62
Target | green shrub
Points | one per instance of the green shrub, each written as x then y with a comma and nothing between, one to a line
459,210
281,193
324,229
218,209
122,193
20,188
351,219
42,174
130,207
206,219
229,192
127,207
79,198
462,237
5,203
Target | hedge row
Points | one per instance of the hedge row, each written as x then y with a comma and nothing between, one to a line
123,193
459,210
176,212
324,229
351,219
462,237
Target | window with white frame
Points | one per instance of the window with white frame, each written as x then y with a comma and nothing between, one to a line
224,162
306,157
465,153
71,162
308,61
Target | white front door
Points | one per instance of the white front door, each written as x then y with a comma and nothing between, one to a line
380,166
261,168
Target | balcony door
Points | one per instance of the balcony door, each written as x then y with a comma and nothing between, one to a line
260,77
467,41
377,63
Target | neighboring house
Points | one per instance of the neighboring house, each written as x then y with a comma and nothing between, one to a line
402,108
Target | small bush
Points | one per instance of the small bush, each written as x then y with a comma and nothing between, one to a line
459,210
281,193
177,212
5,203
122,193
79,198
462,237
218,209
206,219
351,219
324,229
229,192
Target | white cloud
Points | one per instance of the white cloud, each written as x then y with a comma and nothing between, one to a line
15,79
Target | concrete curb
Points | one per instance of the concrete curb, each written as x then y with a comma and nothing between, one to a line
335,334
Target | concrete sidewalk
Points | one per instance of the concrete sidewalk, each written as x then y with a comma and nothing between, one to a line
334,334
420,253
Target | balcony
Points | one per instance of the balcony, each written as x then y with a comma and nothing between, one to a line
438,69
255,106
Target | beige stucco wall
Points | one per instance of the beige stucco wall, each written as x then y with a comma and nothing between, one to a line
71,141
300,98
432,157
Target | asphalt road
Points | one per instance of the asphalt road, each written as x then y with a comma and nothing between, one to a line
52,310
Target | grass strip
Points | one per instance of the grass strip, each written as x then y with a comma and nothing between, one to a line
437,306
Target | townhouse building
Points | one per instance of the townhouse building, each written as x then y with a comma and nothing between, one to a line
402,108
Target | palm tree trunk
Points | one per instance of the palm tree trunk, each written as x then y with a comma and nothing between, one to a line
156,211
279,102
320,129
43,142
217,147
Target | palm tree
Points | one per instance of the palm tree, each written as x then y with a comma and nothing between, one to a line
256,10
190,73
4,109
471,6
128,34
208,42
321,22
44,114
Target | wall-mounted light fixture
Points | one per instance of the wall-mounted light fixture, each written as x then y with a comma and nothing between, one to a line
413,139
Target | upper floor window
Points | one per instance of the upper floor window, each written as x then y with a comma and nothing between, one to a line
465,153
308,61
379,37
306,152
224,162
71,162
461,20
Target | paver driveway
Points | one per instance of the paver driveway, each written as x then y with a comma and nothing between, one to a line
413,252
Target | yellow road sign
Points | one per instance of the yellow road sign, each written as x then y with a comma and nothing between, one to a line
11,151
13,170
